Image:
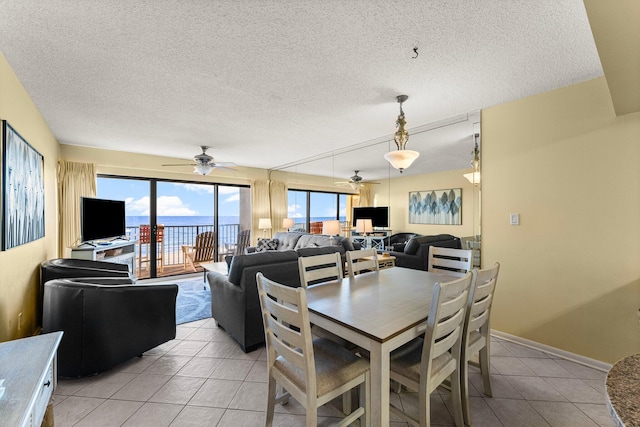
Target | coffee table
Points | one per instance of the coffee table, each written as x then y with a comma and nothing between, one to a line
218,267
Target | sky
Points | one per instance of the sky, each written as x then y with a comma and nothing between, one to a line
186,199
174,199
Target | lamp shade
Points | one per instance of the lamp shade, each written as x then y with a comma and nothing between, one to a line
401,159
364,226
473,177
331,228
203,169
287,222
264,223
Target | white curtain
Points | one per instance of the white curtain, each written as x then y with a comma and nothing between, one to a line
365,196
260,207
279,204
75,180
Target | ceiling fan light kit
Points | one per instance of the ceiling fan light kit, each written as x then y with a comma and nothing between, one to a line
401,159
205,163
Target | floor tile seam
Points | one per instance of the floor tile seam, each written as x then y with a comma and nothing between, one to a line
108,397
559,391
571,403
524,400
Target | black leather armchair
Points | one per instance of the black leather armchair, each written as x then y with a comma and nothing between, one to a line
106,321
235,305
67,268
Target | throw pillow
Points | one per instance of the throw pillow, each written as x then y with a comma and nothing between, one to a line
267,245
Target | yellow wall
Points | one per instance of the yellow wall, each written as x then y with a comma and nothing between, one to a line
19,266
395,193
570,275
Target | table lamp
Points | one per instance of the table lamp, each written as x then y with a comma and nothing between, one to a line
364,226
287,223
264,224
331,228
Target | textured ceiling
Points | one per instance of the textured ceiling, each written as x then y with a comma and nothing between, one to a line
267,83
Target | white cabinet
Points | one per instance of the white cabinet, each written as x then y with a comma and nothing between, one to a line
120,252
28,367
373,240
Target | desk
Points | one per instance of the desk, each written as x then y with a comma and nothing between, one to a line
379,312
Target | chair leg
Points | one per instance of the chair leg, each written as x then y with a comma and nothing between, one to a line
456,399
464,390
347,407
484,370
271,402
424,407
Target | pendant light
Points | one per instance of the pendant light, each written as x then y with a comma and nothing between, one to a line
401,158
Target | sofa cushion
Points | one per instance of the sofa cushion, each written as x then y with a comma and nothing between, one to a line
287,240
267,245
239,262
315,240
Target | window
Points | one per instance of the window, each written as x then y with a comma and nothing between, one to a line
307,207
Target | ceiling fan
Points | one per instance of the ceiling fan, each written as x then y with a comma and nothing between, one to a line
204,163
355,181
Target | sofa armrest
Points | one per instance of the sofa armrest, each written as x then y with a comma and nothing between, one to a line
227,299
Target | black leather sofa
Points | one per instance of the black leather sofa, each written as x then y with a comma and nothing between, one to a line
416,251
106,321
234,298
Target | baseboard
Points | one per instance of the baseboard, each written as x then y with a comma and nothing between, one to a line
591,363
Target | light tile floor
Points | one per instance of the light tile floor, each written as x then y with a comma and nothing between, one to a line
202,378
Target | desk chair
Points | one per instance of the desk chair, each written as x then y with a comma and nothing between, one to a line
427,366
356,264
476,337
315,371
454,262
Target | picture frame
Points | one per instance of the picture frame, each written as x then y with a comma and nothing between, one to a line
438,207
22,190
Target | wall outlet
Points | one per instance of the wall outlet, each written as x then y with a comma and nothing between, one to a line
19,321
514,219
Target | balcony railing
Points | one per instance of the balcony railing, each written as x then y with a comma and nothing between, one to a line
176,236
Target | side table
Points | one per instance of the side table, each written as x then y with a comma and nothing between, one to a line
28,367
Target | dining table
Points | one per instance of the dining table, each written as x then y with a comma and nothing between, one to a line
378,311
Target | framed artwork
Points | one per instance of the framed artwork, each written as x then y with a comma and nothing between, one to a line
436,207
22,190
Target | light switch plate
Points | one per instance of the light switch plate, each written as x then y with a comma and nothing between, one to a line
514,219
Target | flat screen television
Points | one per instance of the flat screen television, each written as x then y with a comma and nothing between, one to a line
101,219
379,215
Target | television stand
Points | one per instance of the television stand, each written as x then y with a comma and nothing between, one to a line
117,252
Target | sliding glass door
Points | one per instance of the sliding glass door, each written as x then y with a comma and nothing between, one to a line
165,218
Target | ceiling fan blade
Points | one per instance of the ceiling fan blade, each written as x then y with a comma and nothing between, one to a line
179,164
229,168
229,165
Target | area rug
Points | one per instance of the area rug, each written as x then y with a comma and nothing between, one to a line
193,301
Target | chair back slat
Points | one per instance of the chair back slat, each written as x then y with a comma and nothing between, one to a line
445,321
244,240
455,262
481,298
318,268
284,307
363,260
205,246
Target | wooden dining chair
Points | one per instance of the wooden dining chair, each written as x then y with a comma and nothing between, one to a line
320,268
202,251
476,337
360,261
427,366
454,262
313,371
